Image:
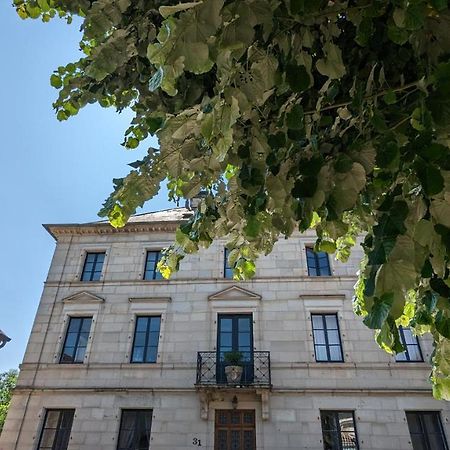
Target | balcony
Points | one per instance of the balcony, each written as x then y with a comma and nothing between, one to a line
255,370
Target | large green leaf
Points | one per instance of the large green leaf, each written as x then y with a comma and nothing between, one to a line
442,323
348,186
294,118
380,311
167,11
331,65
431,179
440,210
396,277
298,77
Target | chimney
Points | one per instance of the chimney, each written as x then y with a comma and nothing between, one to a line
192,203
3,339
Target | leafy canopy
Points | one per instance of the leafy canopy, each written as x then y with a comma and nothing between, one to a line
7,384
289,114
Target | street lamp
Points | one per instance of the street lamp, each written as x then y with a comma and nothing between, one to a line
3,339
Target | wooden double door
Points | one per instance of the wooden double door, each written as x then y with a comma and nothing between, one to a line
235,429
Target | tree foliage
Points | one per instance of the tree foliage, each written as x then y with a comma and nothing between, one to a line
290,114
7,384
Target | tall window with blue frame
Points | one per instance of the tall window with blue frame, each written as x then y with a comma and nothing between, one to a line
327,339
227,269
318,263
93,266
412,352
146,339
151,263
77,337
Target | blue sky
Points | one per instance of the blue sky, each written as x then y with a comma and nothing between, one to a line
52,172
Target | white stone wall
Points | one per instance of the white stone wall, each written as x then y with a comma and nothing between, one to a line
369,381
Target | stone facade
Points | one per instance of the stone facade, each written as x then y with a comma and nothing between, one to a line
281,298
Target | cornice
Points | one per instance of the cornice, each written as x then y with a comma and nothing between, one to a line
56,230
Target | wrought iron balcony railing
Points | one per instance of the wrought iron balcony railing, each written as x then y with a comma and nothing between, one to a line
255,369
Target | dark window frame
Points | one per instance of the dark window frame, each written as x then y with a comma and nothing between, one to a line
310,253
234,317
58,429
155,275
424,432
147,337
327,344
227,270
339,431
93,271
76,345
235,332
135,411
406,352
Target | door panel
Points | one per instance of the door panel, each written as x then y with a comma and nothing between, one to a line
235,333
235,429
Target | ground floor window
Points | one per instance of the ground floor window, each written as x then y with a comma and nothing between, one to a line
56,430
235,429
338,430
135,427
426,430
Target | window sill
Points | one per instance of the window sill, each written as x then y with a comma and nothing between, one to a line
409,363
88,282
72,364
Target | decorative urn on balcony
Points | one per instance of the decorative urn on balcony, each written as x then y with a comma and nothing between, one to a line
233,367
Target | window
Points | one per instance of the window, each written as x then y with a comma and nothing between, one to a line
338,430
426,430
76,340
93,265
235,334
151,273
318,263
55,433
227,269
146,338
135,427
327,341
412,348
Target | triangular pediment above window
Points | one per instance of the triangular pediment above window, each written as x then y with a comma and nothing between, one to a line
234,293
83,297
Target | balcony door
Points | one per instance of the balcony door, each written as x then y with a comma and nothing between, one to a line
235,334
235,429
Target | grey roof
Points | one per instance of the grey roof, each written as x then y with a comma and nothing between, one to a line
165,215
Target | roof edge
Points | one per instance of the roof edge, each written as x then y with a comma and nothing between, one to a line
57,230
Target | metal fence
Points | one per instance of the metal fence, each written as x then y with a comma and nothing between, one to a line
255,369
